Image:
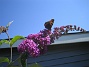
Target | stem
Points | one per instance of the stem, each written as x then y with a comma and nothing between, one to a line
26,62
10,46
11,53
15,61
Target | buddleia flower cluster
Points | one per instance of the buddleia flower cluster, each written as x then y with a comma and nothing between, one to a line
29,46
67,28
36,44
58,31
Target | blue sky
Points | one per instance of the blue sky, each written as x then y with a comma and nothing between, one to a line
29,15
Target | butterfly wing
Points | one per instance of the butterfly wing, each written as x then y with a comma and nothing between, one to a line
48,25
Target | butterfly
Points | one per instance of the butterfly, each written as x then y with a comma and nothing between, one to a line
48,25
4,29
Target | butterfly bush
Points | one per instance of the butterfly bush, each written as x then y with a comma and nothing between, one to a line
30,47
36,44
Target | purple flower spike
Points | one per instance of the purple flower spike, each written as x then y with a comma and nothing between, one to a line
36,44
30,47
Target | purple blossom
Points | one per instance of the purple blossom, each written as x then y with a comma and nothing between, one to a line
30,47
33,36
36,44
56,33
62,28
45,32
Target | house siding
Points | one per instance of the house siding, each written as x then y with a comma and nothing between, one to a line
61,55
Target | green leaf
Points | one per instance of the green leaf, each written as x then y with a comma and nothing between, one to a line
35,65
4,41
15,39
16,60
4,59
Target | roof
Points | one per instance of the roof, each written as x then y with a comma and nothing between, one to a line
64,39
73,38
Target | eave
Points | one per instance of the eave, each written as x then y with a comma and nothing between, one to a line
64,39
